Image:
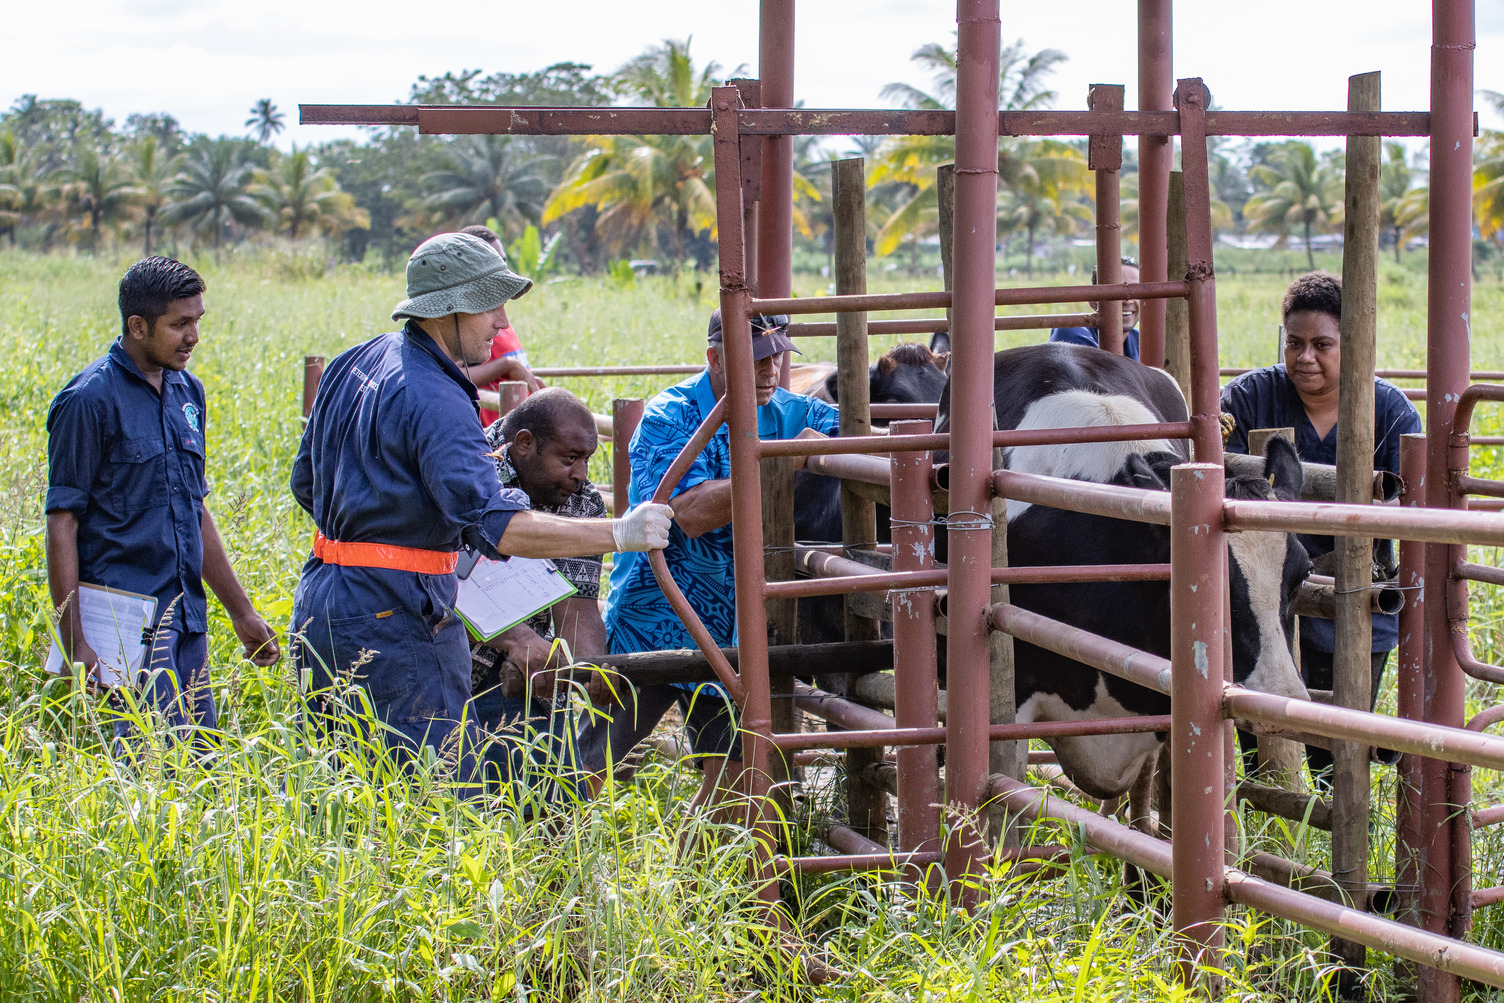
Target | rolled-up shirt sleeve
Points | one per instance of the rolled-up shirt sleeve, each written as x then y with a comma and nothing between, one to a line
451,452
75,450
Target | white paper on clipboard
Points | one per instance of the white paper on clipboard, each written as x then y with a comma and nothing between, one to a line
115,624
501,594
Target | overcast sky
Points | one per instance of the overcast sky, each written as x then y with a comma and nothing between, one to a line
207,61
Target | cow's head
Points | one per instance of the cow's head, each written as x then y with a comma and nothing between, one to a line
905,374
1266,569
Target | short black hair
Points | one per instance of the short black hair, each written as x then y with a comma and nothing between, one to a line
544,413
1130,262
151,285
483,232
1318,291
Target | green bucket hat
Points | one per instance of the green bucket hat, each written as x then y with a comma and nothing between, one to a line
457,273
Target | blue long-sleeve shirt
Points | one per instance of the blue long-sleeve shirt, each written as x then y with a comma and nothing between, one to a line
1088,336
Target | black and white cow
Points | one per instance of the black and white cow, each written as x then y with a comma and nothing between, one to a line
1057,386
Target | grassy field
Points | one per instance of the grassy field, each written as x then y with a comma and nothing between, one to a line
283,871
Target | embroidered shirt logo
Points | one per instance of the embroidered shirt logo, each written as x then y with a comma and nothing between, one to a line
190,415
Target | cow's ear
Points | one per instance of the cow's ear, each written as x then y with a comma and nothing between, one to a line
942,362
831,383
1282,468
886,365
940,343
1139,472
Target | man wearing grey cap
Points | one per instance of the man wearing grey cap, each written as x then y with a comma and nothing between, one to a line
393,468
699,555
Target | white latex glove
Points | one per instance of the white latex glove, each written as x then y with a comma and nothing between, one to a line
643,528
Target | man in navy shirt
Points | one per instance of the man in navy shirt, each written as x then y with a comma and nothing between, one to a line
699,554
1088,335
125,495
395,471
1301,393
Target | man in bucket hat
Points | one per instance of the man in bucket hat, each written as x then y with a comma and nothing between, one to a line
699,555
393,468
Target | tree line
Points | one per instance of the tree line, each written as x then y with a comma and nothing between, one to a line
71,178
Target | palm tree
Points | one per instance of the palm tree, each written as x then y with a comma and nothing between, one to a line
100,189
1396,178
490,176
1047,186
1488,183
905,166
214,191
265,121
1301,191
152,174
304,195
646,188
26,186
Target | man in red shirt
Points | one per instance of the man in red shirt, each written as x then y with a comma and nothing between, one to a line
508,360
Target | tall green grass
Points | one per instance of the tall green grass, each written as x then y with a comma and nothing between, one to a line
281,868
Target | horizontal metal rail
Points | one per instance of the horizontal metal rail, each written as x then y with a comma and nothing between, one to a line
1424,525
936,325
874,580
877,737
1386,374
939,300
1114,501
834,863
575,372
575,121
1099,652
1000,439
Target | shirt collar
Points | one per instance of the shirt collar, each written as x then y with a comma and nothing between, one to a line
421,339
704,395
122,358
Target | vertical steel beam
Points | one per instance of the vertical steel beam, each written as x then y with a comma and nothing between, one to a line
1444,878
1105,159
915,691
751,175
1352,661
1409,683
969,528
1155,85
313,372
626,414
1197,579
746,499
775,210
1206,389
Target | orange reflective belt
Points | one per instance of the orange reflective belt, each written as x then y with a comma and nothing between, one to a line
383,555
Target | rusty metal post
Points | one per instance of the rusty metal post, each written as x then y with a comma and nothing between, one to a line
1104,156
916,695
1177,344
1445,881
313,372
1352,661
866,805
746,500
1205,389
1197,580
969,528
1155,85
775,209
626,413
1409,682
779,564
512,393
945,196
751,175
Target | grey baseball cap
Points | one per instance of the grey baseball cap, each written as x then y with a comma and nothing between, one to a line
770,334
457,273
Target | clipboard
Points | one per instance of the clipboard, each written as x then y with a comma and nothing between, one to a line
117,625
498,595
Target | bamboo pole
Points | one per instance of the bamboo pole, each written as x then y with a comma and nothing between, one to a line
866,805
1352,663
1177,311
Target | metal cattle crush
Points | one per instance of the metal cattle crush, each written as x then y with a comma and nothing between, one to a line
752,125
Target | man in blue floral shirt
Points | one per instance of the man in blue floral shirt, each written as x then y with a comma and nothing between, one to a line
699,555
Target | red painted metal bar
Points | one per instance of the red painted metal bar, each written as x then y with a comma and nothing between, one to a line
1487,897
626,413
313,374
774,245
916,695
846,578
1484,817
580,372
1105,159
1410,671
1085,496
869,738
773,121
867,469
1486,718
932,325
1428,525
1205,393
1433,741
1026,296
1109,656
970,526
1446,878
888,412
1156,84
1476,376
1196,742
834,863
1001,439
